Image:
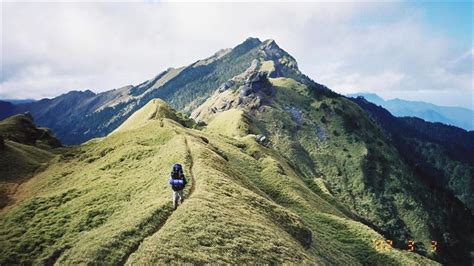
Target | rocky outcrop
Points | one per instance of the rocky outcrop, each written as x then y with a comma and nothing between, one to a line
256,82
254,91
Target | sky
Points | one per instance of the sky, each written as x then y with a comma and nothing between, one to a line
414,50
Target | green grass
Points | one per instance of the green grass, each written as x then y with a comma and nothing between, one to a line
268,66
230,122
156,109
20,160
96,202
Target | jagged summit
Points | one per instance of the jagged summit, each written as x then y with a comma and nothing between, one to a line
253,88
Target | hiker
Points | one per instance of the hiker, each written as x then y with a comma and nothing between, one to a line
178,182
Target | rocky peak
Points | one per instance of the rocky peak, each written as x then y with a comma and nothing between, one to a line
272,50
276,61
252,40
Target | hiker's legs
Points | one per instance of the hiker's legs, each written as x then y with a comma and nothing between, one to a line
181,196
175,199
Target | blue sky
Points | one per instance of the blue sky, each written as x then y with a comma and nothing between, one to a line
453,18
410,49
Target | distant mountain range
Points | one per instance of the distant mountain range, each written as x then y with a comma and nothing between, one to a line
455,116
18,101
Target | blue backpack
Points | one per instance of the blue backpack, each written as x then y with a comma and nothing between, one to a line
177,180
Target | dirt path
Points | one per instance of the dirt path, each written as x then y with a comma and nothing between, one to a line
190,162
190,167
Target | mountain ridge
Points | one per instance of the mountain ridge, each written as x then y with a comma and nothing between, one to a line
78,116
456,116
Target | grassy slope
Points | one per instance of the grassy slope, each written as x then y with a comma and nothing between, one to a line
98,201
363,171
26,149
337,239
17,162
333,142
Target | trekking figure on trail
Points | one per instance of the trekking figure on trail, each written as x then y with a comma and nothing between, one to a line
178,182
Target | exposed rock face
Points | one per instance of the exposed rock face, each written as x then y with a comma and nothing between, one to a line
256,82
255,91
252,89
226,85
284,65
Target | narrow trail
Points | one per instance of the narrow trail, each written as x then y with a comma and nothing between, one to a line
189,158
190,167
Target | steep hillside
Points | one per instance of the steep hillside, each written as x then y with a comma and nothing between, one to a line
455,116
327,138
24,149
444,155
107,201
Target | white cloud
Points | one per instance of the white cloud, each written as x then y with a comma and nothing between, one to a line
51,48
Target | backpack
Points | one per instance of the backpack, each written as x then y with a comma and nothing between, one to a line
177,180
